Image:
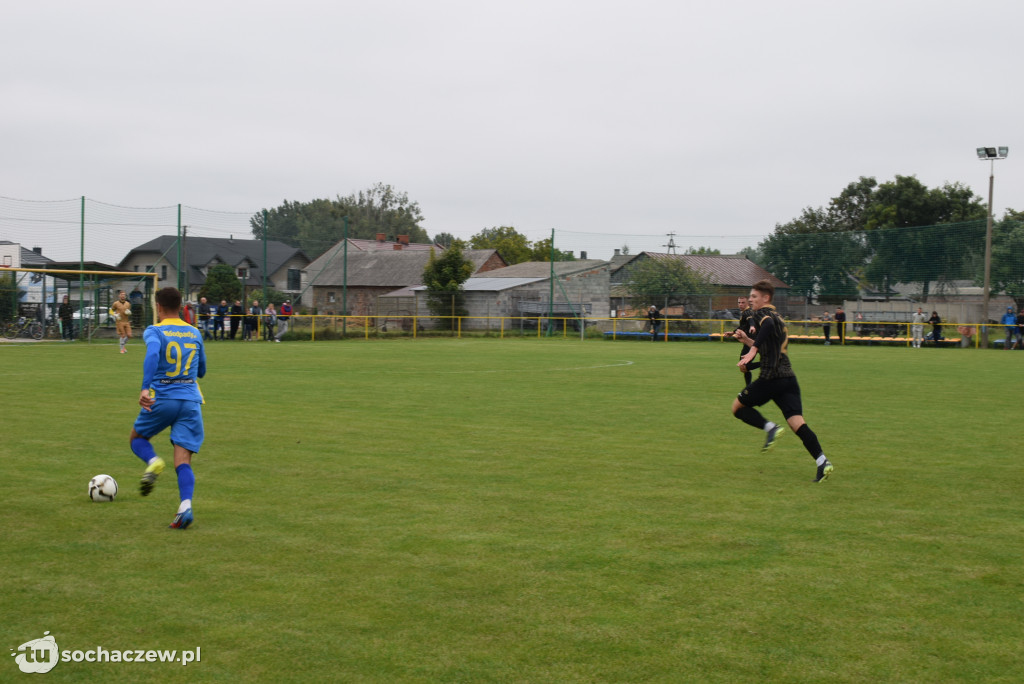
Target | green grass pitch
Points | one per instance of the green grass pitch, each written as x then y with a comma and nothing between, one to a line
489,510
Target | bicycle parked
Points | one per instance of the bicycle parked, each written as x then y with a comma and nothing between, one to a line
23,327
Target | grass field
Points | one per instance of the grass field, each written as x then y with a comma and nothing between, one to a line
521,511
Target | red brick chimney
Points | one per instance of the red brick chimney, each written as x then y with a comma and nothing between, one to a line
403,239
381,237
397,246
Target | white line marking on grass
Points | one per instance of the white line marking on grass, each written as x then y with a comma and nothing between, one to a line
542,370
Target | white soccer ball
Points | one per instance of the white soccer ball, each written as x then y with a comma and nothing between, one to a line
102,488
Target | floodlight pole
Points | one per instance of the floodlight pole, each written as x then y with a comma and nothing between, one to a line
990,154
988,258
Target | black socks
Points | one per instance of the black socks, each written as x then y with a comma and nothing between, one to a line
810,441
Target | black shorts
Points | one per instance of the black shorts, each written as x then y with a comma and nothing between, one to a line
785,392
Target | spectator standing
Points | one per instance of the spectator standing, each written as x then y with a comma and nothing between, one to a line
936,324
137,300
252,321
826,326
204,317
654,321
282,319
917,327
236,314
1020,328
841,324
218,319
269,321
1010,321
66,312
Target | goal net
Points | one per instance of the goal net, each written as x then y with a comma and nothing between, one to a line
70,304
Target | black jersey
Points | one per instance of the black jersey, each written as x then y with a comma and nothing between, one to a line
772,342
746,324
746,320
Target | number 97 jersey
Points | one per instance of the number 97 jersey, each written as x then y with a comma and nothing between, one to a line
180,360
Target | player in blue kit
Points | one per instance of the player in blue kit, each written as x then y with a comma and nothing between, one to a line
170,397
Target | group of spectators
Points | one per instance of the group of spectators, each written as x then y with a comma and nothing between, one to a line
1014,328
212,319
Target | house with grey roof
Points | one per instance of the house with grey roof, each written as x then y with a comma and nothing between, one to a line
359,278
13,255
729,275
284,264
523,292
381,243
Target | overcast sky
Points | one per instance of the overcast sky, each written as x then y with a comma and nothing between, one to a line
715,121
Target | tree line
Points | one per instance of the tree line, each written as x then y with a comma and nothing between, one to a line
881,234
316,225
870,234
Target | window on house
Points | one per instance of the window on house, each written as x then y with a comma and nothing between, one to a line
243,273
294,279
330,297
163,272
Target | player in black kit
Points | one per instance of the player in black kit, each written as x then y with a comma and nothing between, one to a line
746,324
776,382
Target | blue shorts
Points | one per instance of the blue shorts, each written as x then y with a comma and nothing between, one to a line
185,419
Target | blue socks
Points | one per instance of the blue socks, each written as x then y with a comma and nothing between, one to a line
143,449
186,481
186,478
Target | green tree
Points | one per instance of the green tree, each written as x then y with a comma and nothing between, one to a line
702,250
665,280
1007,271
513,247
382,209
847,210
754,254
812,258
886,233
310,226
444,239
443,278
8,297
221,283
317,225
910,237
541,251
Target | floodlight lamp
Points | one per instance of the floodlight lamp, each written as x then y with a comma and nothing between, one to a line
981,153
991,152
1004,151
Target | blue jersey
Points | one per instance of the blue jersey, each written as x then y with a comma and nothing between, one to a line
175,360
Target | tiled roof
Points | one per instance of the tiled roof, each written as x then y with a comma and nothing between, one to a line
542,269
201,251
361,245
727,270
380,268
